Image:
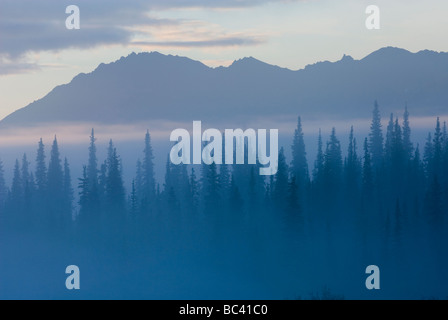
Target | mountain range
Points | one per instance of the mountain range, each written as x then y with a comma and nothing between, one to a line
156,86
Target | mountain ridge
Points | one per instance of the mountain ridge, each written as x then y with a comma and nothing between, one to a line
151,85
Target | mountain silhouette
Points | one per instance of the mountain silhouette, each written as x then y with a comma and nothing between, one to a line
156,86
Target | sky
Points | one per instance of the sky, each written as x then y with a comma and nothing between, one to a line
38,52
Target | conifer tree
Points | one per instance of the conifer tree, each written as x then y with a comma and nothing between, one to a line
407,144
41,172
148,182
16,195
333,166
376,138
428,157
319,162
367,175
67,190
55,184
389,139
3,188
115,193
299,164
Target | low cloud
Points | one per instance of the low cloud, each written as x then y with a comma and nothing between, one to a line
224,42
17,67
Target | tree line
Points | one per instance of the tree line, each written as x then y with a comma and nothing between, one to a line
385,183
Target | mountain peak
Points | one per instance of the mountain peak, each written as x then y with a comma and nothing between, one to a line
347,58
389,53
246,61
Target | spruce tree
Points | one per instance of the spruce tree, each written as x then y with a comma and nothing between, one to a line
389,139
376,138
3,188
148,182
115,193
41,172
55,184
428,156
15,201
319,162
352,166
333,166
299,164
367,174
407,144
67,190
437,145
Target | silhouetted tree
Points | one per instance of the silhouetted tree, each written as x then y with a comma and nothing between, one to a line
67,191
299,164
55,184
333,168
367,175
3,188
376,138
148,182
41,174
115,193
407,144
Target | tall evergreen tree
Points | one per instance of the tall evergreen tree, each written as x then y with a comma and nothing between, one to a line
376,138
407,144
148,181
318,170
397,160
93,204
115,193
333,166
133,205
67,190
92,166
55,185
428,156
41,171
367,175
389,139
352,166
15,198
83,202
299,164
3,188
437,145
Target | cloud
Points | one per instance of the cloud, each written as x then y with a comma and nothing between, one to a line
40,25
16,67
225,42
36,26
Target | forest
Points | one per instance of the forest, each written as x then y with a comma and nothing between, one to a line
224,231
